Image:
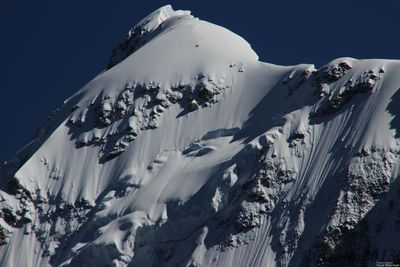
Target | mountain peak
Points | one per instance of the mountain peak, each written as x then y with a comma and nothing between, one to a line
143,31
188,151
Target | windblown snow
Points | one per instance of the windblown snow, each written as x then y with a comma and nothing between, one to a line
188,151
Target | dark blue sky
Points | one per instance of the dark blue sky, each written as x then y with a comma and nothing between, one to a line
49,49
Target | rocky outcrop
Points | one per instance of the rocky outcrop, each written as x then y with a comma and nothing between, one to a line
138,107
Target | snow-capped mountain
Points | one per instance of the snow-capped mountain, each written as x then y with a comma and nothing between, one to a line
189,151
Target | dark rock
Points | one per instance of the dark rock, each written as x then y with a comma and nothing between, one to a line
332,73
206,94
296,136
8,216
193,106
14,186
3,236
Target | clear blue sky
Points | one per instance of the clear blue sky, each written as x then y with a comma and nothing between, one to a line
49,49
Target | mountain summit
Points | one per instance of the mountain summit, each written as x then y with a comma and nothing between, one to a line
188,151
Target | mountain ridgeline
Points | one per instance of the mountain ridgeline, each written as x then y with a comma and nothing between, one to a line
189,151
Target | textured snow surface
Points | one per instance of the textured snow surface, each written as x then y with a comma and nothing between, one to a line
188,151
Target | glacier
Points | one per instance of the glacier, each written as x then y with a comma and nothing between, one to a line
189,151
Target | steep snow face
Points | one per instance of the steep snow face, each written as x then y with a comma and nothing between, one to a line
189,60
188,151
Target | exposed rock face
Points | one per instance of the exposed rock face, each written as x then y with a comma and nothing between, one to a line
334,72
193,106
347,239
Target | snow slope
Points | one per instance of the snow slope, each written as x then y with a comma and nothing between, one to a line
188,151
